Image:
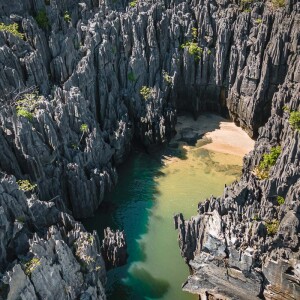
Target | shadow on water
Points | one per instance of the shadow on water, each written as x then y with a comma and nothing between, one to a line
129,207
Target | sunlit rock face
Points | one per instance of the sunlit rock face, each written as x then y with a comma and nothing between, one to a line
82,65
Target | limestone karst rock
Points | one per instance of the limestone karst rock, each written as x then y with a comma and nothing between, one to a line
114,248
83,65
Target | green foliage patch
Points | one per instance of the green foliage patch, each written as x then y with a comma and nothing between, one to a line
167,78
42,19
84,128
280,200
278,3
31,265
26,185
12,28
67,17
26,105
146,92
268,161
131,77
272,227
133,3
294,120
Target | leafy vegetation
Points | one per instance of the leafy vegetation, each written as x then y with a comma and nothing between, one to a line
278,3
131,77
22,112
26,185
42,19
280,200
67,17
167,78
12,28
268,160
26,105
192,46
272,227
84,128
258,21
294,120
133,3
31,265
146,92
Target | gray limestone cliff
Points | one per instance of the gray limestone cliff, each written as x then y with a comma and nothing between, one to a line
71,106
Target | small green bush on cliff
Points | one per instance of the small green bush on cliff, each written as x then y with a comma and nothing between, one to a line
12,28
146,92
67,17
272,227
268,161
192,46
278,3
131,77
26,185
294,120
280,200
42,19
133,3
27,105
31,265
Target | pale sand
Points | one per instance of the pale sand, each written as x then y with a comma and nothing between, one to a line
226,137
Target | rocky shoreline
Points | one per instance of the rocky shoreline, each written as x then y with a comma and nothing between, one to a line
71,77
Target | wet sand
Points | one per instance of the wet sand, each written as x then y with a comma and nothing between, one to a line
220,134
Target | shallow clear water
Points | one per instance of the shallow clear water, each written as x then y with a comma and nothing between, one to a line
150,190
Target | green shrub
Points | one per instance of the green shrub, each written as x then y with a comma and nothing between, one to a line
272,227
146,92
22,112
268,161
133,3
26,185
258,21
294,120
167,78
67,17
12,28
84,128
42,19
31,265
280,200
26,105
193,49
131,77
195,33
278,3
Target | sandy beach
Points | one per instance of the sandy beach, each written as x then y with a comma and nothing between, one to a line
221,135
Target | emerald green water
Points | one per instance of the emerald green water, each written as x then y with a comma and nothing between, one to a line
150,190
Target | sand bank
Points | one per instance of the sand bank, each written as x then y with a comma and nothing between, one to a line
221,135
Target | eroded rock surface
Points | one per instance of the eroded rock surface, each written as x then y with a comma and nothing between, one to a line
46,254
83,65
114,248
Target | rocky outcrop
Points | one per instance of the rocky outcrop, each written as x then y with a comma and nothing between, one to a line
71,104
89,60
245,244
114,248
45,253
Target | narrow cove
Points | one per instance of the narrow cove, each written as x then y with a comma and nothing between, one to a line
204,156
